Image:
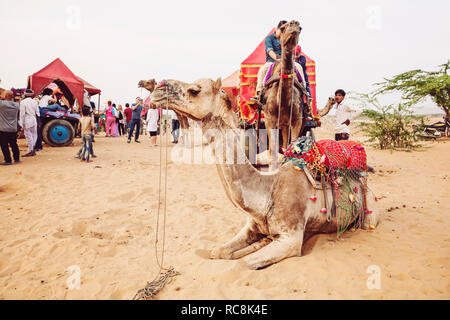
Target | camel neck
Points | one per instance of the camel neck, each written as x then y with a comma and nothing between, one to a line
287,69
246,187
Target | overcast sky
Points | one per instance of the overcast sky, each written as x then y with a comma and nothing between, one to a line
113,44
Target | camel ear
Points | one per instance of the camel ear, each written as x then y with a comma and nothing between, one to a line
217,85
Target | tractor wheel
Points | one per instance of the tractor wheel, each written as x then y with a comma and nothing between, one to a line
58,133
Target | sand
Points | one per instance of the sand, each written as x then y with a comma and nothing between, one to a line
56,213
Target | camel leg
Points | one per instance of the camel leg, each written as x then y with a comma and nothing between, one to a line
251,248
370,220
245,237
285,246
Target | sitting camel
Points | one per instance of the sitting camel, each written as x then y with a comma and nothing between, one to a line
281,214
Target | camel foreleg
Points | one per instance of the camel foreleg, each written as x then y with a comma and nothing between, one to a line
286,246
251,248
243,239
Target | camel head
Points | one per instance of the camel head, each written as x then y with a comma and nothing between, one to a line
290,33
199,100
149,84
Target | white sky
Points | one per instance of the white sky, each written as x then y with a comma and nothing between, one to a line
113,44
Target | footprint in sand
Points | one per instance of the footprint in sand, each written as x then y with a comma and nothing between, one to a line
79,228
202,253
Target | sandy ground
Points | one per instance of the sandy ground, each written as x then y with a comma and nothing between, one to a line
56,212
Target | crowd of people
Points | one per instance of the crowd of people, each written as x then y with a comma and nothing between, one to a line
23,113
136,120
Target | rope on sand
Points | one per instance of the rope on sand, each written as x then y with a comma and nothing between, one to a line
153,288
163,278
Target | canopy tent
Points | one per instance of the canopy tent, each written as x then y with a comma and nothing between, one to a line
90,88
248,79
231,86
57,72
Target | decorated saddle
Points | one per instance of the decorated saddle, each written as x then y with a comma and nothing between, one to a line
327,154
342,164
271,73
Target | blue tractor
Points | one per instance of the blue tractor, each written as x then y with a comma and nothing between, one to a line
58,128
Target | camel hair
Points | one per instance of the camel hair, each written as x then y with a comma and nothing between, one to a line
150,86
281,215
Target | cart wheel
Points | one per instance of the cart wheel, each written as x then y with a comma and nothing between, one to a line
58,133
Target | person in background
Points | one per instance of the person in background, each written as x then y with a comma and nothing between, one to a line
175,126
128,116
47,96
86,126
120,121
28,120
46,100
115,131
9,111
152,124
144,119
301,60
136,120
110,119
344,114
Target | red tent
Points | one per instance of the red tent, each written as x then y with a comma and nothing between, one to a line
248,80
90,88
230,85
71,86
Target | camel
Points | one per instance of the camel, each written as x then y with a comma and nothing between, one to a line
281,214
281,98
150,86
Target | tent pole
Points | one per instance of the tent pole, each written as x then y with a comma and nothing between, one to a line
98,105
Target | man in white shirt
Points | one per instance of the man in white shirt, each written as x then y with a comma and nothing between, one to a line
344,114
47,96
28,120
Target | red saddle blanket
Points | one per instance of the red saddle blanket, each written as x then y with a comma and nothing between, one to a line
345,154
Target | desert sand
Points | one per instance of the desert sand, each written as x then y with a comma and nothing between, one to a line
56,212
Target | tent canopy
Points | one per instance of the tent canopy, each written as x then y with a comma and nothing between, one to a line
71,86
90,88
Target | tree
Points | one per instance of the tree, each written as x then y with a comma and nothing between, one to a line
416,85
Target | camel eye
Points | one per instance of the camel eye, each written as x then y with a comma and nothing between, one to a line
194,91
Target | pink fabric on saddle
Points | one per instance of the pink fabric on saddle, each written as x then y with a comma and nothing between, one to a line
270,71
345,154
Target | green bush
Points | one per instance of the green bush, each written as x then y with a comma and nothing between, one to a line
390,127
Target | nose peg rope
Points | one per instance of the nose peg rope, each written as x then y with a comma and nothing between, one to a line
153,288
